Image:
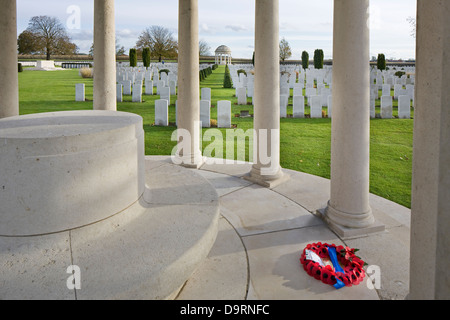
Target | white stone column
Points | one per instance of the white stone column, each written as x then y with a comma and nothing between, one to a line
266,170
9,79
188,110
348,208
104,55
430,207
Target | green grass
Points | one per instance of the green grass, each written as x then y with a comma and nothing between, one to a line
305,143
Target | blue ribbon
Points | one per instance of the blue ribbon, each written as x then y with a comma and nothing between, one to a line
337,267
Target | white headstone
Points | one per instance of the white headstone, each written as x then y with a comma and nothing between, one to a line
161,113
283,105
224,114
206,94
299,106
137,92
127,87
242,95
165,94
386,107
372,108
119,92
149,87
386,90
329,106
205,113
404,107
79,92
173,87
316,106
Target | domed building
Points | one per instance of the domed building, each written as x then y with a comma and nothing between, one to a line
223,55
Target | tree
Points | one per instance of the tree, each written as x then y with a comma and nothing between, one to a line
227,81
285,50
160,41
412,23
204,48
305,60
318,59
146,57
120,50
28,43
50,36
381,62
133,57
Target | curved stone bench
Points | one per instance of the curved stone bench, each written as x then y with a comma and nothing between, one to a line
77,190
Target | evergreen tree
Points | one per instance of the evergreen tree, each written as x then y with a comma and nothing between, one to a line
146,57
133,57
305,60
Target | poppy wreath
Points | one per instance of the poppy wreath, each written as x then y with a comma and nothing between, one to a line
351,273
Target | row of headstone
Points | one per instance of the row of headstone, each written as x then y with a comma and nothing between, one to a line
223,113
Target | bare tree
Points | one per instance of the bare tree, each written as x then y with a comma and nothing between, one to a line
159,40
285,50
412,23
51,36
204,48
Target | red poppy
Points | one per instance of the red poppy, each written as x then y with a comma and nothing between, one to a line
352,265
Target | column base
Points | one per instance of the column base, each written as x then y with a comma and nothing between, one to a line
348,226
267,181
188,162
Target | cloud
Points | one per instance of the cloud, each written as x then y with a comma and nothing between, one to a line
236,27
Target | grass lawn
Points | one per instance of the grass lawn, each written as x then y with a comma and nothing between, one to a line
305,143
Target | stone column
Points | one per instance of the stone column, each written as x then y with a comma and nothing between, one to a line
9,79
430,207
348,212
266,170
188,110
104,56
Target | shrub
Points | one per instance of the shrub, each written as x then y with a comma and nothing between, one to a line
400,74
227,82
164,70
381,62
146,57
241,71
318,59
133,57
87,72
305,60
20,68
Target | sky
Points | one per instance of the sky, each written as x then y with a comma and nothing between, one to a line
306,25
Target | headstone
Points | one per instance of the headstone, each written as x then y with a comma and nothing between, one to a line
299,106
206,94
224,114
173,87
404,107
242,95
127,87
329,106
119,92
284,90
316,106
386,90
283,105
372,108
386,107
205,113
79,92
298,91
161,113
165,94
137,92
149,87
